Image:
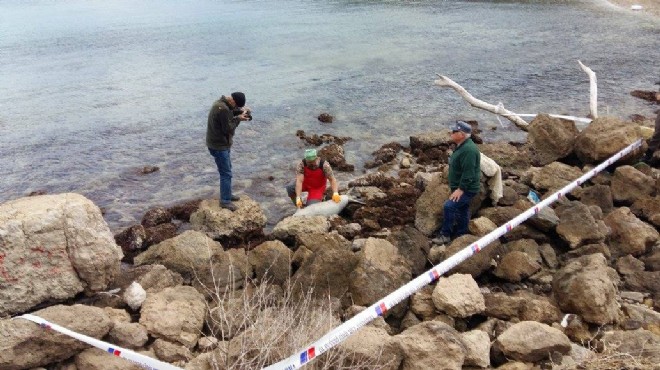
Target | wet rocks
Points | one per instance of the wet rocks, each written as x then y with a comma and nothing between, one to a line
317,140
325,118
334,154
652,96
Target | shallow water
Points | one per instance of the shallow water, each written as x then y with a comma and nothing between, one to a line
92,91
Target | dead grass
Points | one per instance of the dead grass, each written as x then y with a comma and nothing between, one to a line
263,323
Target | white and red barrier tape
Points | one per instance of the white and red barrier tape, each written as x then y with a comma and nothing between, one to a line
343,331
136,358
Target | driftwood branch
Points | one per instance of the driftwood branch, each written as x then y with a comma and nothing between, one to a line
593,90
445,81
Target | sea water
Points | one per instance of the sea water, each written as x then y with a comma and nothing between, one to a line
92,91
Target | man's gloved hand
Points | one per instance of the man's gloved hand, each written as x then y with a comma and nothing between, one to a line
336,198
299,202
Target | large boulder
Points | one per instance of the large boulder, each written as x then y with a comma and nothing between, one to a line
516,266
578,227
175,314
630,235
429,205
522,306
372,346
587,286
26,345
218,223
554,176
629,185
271,261
598,195
199,258
507,156
478,263
458,295
477,348
604,137
96,359
326,273
53,247
648,208
380,270
531,341
549,139
413,246
292,227
431,345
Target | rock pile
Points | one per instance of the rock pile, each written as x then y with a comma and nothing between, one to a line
573,287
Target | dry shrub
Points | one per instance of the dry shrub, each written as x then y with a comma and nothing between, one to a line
611,358
264,323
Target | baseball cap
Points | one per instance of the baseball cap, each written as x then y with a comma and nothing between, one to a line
310,154
461,126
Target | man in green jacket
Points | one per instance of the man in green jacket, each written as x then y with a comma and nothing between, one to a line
464,175
224,117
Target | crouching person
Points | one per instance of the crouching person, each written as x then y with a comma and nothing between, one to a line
312,175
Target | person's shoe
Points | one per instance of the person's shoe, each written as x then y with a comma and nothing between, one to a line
230,206
235,198
442,239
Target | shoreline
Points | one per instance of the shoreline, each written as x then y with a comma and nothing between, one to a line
649,7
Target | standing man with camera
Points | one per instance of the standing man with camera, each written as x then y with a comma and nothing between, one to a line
225,115
464,176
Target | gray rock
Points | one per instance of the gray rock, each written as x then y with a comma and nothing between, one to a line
380,270
458,295
26,345
531,341
588,287
216,222
431,345
629,235
175,314
604,137
53,247
271,261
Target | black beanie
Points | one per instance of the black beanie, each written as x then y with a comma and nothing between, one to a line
239,99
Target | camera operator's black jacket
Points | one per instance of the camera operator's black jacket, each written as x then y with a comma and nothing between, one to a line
221,125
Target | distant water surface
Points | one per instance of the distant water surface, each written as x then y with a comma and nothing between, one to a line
91,91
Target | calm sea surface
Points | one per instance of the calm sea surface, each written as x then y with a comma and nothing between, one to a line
91,91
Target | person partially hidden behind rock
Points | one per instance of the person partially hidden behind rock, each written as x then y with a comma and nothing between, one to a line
223,119
312,175
654,143
464,176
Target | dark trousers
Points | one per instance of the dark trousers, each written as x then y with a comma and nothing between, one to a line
223,162
457,216
655,140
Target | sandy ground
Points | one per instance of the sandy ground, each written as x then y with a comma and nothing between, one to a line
649,6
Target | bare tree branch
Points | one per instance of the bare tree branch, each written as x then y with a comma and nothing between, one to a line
593,90
445,81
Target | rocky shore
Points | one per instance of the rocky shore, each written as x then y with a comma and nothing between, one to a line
575,287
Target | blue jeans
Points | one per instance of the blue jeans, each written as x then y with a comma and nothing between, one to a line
223,161
457,216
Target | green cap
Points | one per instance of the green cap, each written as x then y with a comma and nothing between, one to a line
310,154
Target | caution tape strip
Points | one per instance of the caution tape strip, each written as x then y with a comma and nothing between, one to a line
136,358
343,331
